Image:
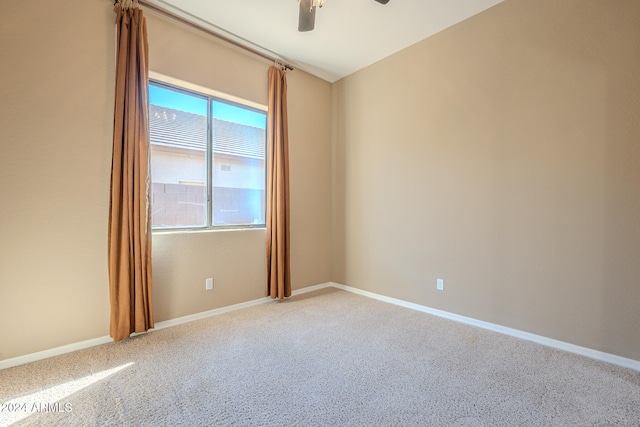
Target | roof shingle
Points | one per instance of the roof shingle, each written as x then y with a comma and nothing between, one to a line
175,128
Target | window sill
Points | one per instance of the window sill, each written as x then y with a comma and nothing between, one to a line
206,230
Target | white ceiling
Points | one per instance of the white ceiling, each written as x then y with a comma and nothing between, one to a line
349,34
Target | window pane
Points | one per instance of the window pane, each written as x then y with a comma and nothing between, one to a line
238,164
178,137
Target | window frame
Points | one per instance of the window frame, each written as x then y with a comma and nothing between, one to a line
178,85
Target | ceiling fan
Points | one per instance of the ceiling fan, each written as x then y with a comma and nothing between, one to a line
307,14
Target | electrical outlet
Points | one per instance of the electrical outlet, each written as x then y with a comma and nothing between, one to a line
440,284
208,284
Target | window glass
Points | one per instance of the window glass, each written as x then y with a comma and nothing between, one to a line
239,169
178,137
204,149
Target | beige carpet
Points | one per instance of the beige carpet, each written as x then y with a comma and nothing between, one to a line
327,358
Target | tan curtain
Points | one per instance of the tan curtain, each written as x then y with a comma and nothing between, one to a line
278,272
129,210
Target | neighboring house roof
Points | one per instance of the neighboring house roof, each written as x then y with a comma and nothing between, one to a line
175,128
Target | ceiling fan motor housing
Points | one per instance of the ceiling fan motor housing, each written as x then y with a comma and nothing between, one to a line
307,14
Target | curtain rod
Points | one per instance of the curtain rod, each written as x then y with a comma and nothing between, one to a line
184,21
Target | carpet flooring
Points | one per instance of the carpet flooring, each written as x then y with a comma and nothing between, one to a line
326,358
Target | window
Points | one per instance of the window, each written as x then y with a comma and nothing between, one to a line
207,160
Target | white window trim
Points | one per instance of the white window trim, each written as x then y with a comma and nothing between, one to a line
204,90
172,81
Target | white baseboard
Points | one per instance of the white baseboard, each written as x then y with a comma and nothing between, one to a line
312,288
572,348
549,342
57,351
229,308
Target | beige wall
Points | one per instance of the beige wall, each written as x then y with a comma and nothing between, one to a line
502,155
56,117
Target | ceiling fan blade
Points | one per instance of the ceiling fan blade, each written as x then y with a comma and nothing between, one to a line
306,16
383,1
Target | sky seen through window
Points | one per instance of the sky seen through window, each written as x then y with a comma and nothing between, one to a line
198,105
